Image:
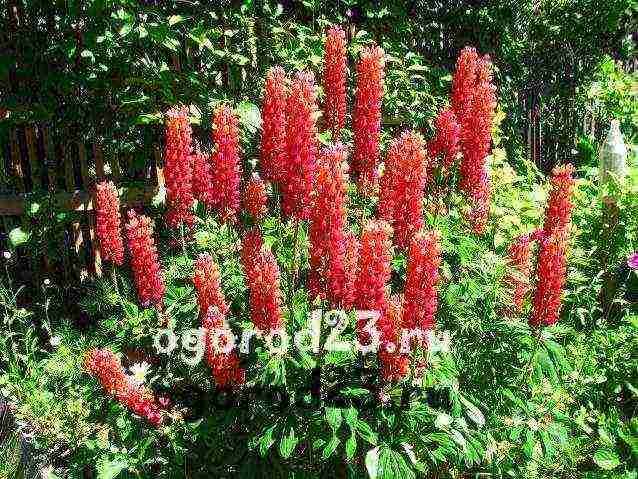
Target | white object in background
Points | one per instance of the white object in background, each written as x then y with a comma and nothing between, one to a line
612,157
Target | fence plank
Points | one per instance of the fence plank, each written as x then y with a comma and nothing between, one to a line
32,154
115,167
84,169
69,175
16,165
50,162
98,154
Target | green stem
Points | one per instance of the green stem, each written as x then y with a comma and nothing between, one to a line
294,259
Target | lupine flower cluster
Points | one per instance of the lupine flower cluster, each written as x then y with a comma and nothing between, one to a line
520,258
301,146
108,222
552,255
402,185
273,122
373,271
213,309
367,117
226,163
327,227
178,169
207,281
474,102
106,367
255,198
262,277
224,365
335,75
422,277
394,364
202,178
147,273
446,141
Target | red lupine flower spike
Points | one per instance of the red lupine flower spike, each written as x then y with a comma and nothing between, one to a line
178,169
262,277
207,281
327,226
301,146
463,82
446,141
520,259
106,367
202,178
559,203
367,117
255,199
147,272
551,272
402,185
335,75
226,172
273,121
223,363
108,222
422,277
394,364
373,271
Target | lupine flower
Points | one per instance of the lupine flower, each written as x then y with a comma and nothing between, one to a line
373,271
106,367
401,197
551,272
255,197
446,141
422,277
273,124
474,102
559,203
207,281
202,178
147,273
108,222
335,75
224,365
327,226
262,277
351,263
178,169
394,364
226,163
632,261
367,117
520,258
301,146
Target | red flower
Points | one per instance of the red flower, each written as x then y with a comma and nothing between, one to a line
108,220
350,265
520,259
226,163
207,282
262,277
224,364
559,203
394,364
301,147
147,273
422,277
373,271
106,367
446,141
328,220
335,75
474,102
178,169
255,197
273,120
401,197
551,272
367,117
202,178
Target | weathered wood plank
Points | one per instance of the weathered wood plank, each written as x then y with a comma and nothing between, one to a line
84,168
32,155
69,175
98,154
50,158
16,164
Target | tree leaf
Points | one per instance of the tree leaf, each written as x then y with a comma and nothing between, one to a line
351,446
110,469
372,463
288,443
18,236
334,418
606,459
331,447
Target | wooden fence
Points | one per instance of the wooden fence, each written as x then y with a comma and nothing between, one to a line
36,168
